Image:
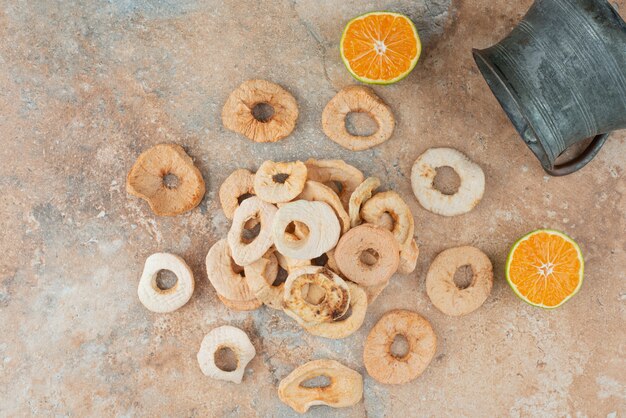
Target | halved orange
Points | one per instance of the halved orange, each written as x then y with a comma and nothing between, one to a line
380,47
545,268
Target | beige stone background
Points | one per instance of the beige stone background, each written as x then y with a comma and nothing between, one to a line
85,86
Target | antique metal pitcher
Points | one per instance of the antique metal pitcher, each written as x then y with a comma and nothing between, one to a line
560,76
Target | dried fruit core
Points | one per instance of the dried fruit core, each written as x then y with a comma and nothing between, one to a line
463,277
171,181
166,280
369,257
263,112
447,181
359,123
321,381
399,347
226,359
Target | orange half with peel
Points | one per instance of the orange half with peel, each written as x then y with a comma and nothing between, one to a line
545,268
380,47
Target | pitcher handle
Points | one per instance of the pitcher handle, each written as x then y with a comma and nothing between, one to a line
580,161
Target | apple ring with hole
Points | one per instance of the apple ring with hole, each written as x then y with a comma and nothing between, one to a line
470,191
244,112
318,192
368,255
225,275
220,338
261,276
160,300
385,366
360,195
390,203
148,179
445,294
279,182
345,386
336,174
245,248
237,187
357,99
320,220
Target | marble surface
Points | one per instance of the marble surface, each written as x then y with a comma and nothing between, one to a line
85,86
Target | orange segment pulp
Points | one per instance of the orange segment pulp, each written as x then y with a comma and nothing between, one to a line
545,268
380,47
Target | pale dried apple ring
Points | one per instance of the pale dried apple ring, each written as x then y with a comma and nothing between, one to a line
378,358
445,294
318,192
147,180
361,194
467,196
280,182
321,221
225,337
357,99
333,303
225,275
333,172
390,203
240,305
165,300
367,255
239,110
344,327
345,388
246,251
236,187
408,258
261,276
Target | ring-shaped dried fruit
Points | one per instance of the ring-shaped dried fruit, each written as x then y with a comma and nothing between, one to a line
317,192
148,178
357,99
239,112
165,300
280,182
238,186
345,387
391,203
333,303
220,338
408,258
378,358
225,275
261,276
367,255
244,249
320,220
470,190
445,294
333,173
344,326
361,194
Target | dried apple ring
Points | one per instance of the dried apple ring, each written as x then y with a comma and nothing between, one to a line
408,258
246,250
357,99
317,192
333,173
280,182
333,303
346,325
367,255
261,276
225,337
320,220
467,196
391,203
378,358
236,188
225,275
453,299
362,193
148,179
165,300
345,387
241,111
